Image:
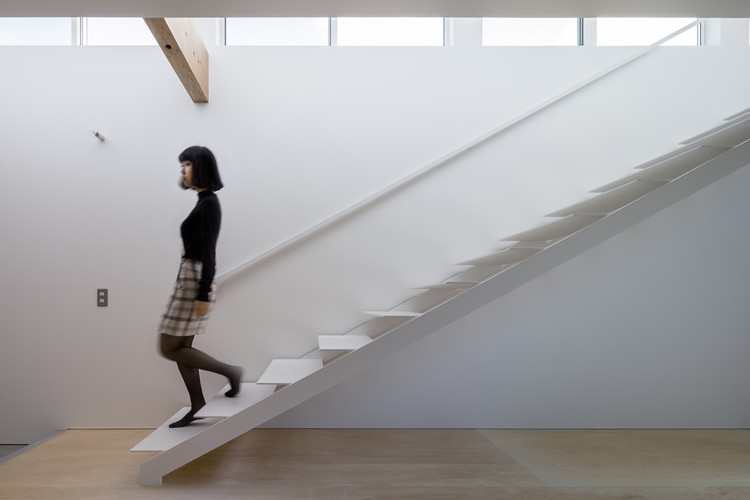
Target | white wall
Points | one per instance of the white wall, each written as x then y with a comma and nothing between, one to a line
300,134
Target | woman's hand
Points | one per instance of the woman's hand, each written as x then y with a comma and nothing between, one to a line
201,308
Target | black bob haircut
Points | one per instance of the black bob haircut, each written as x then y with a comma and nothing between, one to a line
205,170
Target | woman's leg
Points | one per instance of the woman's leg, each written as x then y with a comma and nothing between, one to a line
192,379
189,360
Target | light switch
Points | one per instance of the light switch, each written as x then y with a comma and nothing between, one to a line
102,297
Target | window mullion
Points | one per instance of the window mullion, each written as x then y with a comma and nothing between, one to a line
75,31
333,39
83,27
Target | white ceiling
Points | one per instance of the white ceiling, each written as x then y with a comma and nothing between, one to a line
342,8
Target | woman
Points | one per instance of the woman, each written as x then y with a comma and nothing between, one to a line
194,291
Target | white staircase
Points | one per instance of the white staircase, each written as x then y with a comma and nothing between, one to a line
289,371
288,382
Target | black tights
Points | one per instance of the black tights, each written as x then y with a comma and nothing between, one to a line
189,360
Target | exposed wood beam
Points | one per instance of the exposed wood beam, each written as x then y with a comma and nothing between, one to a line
182,44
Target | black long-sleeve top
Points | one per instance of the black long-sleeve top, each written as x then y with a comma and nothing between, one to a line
199,231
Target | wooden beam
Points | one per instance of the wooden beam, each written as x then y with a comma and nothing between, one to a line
182,44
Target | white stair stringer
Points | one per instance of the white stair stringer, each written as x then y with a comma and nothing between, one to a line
417,326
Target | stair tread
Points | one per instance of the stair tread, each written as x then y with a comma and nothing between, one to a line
610,201
477,274
504,257
677,153
557,229
428,299
733,132
453,285
288,371
738,115
164,438
222,406
342,342
531,245
393,313
378,326
669,168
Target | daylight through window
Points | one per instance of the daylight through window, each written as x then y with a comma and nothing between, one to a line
117,31
277,31
644,31
530,32
390,31
37,31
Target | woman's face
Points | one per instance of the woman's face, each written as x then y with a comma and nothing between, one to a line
187,174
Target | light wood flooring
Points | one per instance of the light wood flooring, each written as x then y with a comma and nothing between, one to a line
373,464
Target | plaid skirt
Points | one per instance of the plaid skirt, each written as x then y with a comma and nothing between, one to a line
179,319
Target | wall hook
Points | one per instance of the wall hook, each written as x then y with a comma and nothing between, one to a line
97,134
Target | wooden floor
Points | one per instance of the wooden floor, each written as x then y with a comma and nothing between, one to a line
372,464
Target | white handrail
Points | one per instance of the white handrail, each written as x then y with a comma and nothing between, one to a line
445,159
